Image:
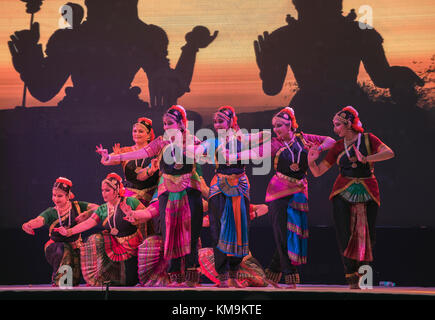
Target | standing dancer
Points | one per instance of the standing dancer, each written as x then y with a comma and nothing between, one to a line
179,196
287,194
110,256
355,194
228,201
61,250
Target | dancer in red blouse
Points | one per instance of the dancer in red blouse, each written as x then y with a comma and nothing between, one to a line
355,194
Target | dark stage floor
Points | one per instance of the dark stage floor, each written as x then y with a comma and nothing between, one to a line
210,293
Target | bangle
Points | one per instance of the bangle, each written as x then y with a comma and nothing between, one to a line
320,148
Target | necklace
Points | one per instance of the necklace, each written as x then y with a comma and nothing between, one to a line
295,165
112,213
352,159
177,166
61,213
137,167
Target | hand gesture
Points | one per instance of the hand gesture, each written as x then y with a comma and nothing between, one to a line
83,216
259,210
206,221
313,154
130,218
22,44
103,153
62,230
154,165
361,158
28,229
200,37
125,208
130,215
265,53
116,148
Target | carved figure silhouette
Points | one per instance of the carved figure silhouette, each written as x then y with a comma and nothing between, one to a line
102,56
324,49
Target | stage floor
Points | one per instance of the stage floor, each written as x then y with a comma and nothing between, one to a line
208,292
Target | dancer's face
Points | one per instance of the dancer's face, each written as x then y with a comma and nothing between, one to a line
169,123
340,128
108,193
60,198
220,124
140,134
281,128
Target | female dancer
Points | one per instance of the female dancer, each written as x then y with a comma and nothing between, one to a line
287,194
110,256
228,201
141,178
355,194
179,196
61,250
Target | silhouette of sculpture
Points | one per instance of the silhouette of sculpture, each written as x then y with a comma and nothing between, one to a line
324,49
102,55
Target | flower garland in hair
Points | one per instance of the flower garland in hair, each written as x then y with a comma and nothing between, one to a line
230,115
119,186
356,123
291,116
182,113
148,124
65,185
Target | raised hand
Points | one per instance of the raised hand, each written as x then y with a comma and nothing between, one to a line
200,37
22,44
103,153
264,50
116,148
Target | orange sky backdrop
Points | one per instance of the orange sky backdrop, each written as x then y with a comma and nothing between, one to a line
226,72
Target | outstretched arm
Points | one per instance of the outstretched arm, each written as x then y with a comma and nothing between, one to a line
151,150
36,223
199,37
79,228
322,142
316,170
